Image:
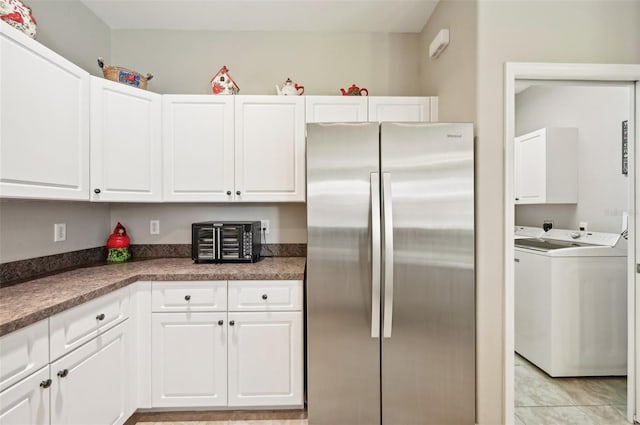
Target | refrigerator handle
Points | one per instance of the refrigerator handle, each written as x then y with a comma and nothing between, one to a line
376,270
387,216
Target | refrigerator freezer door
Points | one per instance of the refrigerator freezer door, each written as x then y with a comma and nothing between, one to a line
428,363
343,356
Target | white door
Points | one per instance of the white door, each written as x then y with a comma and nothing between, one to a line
189,359
126,161
530,168
270,149
90,384
399,109
27,402
44,122
198,144
336,108
265,359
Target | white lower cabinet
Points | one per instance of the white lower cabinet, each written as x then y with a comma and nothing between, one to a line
27,402
189,360
90,384
265,359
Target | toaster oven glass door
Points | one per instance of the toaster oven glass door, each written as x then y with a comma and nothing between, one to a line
207,243
231,242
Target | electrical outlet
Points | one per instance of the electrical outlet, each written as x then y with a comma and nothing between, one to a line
154,227
264,226
59,232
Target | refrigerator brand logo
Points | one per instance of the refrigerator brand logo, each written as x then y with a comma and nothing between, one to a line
457,136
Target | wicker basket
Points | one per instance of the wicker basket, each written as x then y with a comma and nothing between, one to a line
124,75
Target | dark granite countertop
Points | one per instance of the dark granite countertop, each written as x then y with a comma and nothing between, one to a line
26,303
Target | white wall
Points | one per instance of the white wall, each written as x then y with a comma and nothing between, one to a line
597,113
287,222
185,61
525,31
26,227
73,31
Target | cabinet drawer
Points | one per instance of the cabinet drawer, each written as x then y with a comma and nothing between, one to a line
189,296
265,295
23,352
74,327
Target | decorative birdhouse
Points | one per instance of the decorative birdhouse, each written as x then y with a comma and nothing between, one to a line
118,245
222,83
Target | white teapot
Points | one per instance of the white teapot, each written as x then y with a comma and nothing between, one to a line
289,88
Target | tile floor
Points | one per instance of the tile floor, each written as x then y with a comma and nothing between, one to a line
540,399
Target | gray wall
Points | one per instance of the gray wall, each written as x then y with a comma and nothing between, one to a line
73,31
597,113
185,61
525,31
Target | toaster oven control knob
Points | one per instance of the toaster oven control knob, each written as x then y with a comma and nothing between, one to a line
187,297
238,192
264,296
229,192
96,190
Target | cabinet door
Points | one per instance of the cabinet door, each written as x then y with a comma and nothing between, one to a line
44,122
336,109
189,360
198,144
125,143
265,359
90,384
530,168
269,149
398,109
27,402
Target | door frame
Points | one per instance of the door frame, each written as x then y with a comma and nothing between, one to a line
568,72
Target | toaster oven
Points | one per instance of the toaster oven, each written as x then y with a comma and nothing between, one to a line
225,242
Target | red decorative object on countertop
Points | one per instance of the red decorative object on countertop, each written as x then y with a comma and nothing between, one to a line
118,245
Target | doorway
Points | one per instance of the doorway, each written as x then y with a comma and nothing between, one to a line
556,84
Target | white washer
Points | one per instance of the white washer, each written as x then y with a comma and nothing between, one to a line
571,302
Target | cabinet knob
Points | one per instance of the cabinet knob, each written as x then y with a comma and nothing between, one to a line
46,383
96,190
264,296
232,322
62,373
228,192
517,199
220,322
187,297
238,192
100,316
517,260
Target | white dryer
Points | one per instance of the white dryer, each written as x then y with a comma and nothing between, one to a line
571,302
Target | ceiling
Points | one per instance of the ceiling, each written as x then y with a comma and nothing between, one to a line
265,15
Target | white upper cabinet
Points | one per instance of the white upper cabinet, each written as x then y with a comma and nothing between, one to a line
336,109
44,122
400,109
126,160
198,141
546,167
269,149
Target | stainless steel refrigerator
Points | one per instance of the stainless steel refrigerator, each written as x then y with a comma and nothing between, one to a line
390,274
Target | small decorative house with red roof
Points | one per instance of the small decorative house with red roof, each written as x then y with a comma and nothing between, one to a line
222,83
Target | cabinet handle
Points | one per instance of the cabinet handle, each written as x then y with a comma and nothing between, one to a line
96,190
46,383
220,322
62,373
229,192
264,296
232,322
100,316
187,297
238,192
517,260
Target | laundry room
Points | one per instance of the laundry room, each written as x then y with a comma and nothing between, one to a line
570,275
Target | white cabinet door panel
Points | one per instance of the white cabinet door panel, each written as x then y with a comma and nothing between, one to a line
125,143
265,359
22,352
398,109
265,295
198,148
27,402
189,296
336,109
44,122
269,148
189,360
